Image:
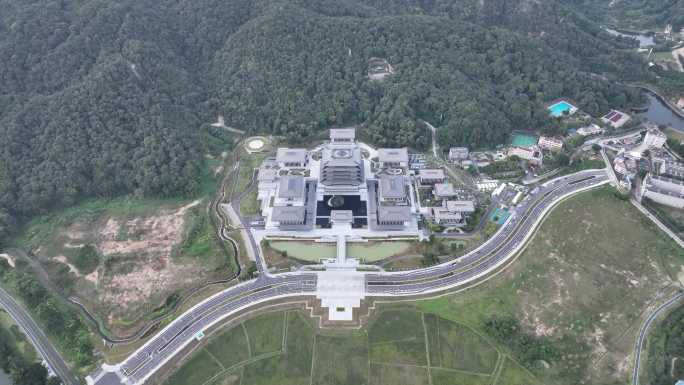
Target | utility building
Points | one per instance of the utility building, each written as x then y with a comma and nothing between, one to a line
393,157
431,176
292,157
342,135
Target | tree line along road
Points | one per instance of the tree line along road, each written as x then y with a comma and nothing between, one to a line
37,338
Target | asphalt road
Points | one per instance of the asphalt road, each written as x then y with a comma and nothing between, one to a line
644,332
37,338
482,261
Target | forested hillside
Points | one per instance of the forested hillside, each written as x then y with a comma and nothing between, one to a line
636,14
102,98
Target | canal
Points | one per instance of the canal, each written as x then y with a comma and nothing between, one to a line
644,40
661,114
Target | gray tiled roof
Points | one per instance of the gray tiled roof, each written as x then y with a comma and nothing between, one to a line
437,173
460,206
343,133
393,155
392,186
394,213
288,214
291,187
291,155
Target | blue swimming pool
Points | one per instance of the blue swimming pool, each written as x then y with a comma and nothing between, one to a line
559,108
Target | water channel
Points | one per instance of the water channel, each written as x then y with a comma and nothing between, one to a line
644,40
661,114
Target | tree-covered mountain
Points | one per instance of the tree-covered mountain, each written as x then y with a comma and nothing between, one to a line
634,14
101,98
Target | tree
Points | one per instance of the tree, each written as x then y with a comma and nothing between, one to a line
87,259
563,159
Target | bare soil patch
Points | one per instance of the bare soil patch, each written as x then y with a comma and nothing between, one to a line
141,262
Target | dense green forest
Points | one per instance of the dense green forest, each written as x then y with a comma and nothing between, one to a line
65,328
102,98
666,349
12,361
634,14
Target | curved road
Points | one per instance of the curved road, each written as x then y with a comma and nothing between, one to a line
37,338
479,263
644,332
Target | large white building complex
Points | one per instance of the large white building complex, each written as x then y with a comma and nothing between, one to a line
305,190
665,184
372,193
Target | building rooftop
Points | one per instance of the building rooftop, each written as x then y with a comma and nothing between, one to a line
436,173
656,189
266,175
291,155
668,180
394,213
443,214
460,206
458,152
342,216
288,214
392,187
550,139
444,190
342,165
347,134
291,187
393,155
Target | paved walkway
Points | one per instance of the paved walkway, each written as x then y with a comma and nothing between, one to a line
340,291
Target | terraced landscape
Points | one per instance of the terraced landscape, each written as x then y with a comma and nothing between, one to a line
400,346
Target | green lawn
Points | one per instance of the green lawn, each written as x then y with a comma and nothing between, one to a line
391,351
248,162
579,289
388,346
266,333
399,375
249,205
457,347
341,359
580,286
450,377
200,369
514,374
369,252
230,348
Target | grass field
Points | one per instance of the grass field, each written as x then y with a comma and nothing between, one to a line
396,348
249,205
581,285
248,162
